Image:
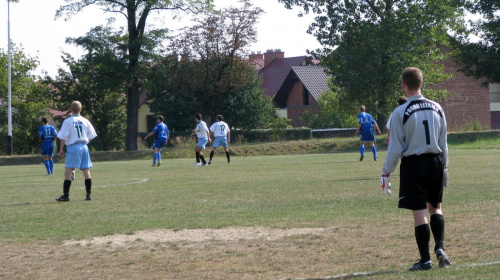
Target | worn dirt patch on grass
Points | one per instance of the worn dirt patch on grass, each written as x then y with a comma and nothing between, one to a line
198,235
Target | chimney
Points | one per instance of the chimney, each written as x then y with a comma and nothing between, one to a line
271,56
256,56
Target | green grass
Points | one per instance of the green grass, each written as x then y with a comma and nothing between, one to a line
332,190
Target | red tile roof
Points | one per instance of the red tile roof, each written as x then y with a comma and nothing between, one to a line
274,75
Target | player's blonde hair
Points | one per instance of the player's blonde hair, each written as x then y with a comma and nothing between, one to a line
361,108
76,107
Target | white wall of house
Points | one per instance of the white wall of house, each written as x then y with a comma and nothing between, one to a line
142,123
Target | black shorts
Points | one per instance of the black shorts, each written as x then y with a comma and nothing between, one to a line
421,181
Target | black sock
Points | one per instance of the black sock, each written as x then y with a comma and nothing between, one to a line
198,157
66,186
88,185
423,235
212,155
437,227
203,159
228,157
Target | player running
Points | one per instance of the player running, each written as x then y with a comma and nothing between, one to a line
418,137
366,123
76,132
162,136
203,134
47,134
222,135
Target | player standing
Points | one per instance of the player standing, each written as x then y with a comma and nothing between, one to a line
162,136
203,134
222,137
47,134
76,132
418,137
366,123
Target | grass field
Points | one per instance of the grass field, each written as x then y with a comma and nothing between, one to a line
315,216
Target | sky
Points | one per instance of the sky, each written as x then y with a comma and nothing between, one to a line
33,25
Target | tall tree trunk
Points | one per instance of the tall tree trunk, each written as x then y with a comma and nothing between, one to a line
132,115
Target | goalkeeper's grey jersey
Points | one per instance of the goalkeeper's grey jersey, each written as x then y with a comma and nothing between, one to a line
417,127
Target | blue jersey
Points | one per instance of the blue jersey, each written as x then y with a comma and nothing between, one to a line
366,120
161,131
47,133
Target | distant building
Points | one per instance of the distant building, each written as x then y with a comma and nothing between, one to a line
296,83
300,91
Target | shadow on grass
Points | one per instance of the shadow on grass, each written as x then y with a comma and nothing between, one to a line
360,179
29,203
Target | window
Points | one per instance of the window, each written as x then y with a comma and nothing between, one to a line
305,95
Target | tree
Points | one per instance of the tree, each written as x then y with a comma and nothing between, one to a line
480,58
136,13
330,114
213,75
98,82
367,44
30,102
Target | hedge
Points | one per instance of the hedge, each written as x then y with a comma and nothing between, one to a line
179,138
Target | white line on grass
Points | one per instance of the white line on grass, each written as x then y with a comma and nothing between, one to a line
138,181
366,274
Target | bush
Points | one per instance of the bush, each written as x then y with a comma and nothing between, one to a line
266,135
184,138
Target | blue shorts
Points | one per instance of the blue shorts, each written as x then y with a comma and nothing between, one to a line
367,135
159,143
78,156
202,142
48,148
220,141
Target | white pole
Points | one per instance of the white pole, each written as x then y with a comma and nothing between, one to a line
9,134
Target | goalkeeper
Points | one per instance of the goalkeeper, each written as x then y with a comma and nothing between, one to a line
418,137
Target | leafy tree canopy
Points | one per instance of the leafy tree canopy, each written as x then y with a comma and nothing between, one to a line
98,82
479,58
367,44
136,13
30,102
208,73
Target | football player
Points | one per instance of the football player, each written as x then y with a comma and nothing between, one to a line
418,137
366,123
162,136
76,132
222,135
201,131
47,134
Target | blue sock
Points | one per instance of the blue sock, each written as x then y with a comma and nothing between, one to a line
374,150
47,166
362,150
154,158
51,163
159,156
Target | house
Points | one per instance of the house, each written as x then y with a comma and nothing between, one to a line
300,91
274,67
469,101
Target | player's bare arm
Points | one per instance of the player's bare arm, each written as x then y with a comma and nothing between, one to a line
359,128
61,150
378,129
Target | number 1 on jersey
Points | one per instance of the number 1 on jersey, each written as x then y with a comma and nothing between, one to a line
427,134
